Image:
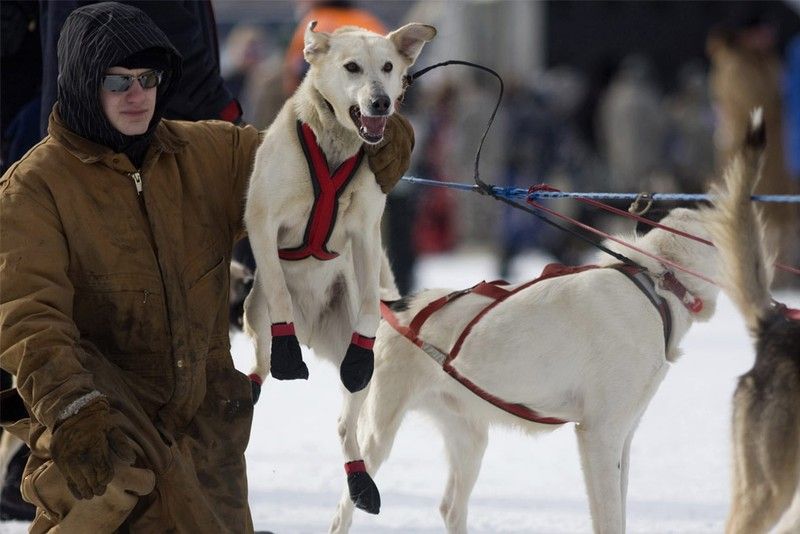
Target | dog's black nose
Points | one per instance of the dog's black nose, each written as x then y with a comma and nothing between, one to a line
380,105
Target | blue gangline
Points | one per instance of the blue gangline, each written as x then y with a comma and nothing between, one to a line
518,193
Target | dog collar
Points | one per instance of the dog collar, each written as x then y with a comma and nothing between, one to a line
668,281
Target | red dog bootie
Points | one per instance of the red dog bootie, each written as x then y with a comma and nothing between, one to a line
358,364
286,360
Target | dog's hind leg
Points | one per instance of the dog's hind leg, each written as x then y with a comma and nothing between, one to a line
385,403
601,448
465,441
361,488
625,470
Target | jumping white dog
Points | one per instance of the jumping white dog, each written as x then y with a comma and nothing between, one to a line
313,209
589,347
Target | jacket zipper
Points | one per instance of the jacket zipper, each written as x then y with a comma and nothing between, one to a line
136,176
137,181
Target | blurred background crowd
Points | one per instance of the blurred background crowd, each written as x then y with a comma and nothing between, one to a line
600,96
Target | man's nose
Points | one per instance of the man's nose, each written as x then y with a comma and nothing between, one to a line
135,91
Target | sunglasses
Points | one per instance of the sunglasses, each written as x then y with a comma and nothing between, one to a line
119,83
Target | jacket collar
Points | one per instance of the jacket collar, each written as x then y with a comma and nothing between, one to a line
164,140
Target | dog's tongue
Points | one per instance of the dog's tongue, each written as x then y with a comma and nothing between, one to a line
373,125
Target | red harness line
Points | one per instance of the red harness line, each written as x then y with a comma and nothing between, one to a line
617,211
498,294
327,189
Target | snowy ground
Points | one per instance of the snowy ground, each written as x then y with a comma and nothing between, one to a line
679,465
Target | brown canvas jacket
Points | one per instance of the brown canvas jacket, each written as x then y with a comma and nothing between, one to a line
89,267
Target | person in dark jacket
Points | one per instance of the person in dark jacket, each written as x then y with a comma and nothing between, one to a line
192,31
115,237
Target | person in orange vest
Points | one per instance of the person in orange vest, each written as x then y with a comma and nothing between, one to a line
329,16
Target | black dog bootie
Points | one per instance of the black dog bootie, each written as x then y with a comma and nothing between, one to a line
286,360
358,364
363,491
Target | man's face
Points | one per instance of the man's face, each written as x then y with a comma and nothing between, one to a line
129,111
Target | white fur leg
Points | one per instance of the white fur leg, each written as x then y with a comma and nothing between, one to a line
344,514
624,473
9,445
465,442
368,257
257,327
601,456
348,423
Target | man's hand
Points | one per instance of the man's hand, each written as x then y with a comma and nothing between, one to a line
82,448
390,158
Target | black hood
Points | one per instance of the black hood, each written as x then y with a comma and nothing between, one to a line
93,39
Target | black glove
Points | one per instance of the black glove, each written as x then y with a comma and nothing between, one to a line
390,158
286,360
82,448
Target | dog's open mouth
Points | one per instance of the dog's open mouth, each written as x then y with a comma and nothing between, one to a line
370,127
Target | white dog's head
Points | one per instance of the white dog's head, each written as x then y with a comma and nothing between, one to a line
360,73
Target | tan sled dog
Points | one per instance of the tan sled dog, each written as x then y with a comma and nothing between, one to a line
590,348
313,207
766,404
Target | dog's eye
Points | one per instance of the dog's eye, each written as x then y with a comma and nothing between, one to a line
387,67
352,66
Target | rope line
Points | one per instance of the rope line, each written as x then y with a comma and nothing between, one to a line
513,195
502,194
522,194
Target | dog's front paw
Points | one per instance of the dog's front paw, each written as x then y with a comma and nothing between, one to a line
286,359
358,364
363,491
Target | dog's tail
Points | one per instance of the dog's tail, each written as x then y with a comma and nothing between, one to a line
738,232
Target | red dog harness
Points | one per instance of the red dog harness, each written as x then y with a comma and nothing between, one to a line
327,189
638,275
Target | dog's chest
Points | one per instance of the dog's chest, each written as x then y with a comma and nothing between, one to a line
313,204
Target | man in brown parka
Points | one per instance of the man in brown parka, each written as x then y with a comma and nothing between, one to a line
115,239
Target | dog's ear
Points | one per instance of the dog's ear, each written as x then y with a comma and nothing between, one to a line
314,43
410,38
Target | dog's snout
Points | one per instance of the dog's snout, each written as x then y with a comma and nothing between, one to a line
380,105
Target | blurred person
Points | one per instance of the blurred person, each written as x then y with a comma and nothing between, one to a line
632,127
745,74
20,98
245,47
691,130
545,147
792,112
434,227
329,14
115,233
21,80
